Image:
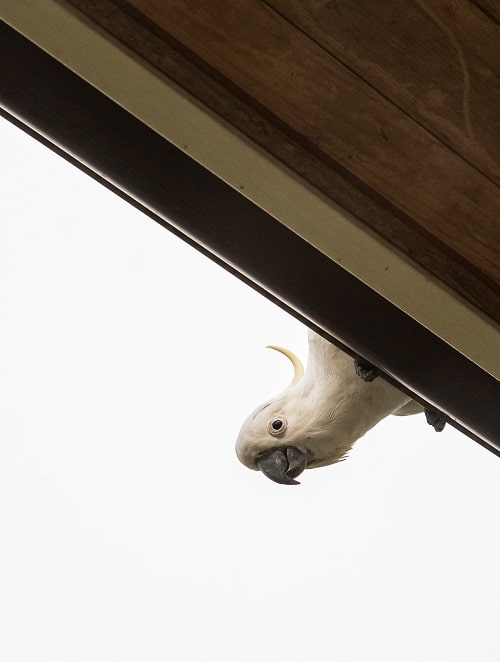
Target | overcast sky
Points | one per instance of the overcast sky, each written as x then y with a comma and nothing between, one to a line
129,530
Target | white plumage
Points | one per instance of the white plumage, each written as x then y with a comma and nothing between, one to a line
318,417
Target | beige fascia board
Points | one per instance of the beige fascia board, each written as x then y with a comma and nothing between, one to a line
99,59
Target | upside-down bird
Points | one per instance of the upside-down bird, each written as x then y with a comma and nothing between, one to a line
318,417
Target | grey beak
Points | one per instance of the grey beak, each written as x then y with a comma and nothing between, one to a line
283,464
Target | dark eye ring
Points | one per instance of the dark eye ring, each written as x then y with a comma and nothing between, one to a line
277,425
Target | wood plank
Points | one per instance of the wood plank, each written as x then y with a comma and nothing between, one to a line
437,60
374,211
342,118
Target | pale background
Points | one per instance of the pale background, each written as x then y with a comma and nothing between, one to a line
128,529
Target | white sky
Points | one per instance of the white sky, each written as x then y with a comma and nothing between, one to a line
129,530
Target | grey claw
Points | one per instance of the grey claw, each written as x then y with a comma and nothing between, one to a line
366,371
435,418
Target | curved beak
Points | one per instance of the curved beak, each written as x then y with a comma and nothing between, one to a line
283,464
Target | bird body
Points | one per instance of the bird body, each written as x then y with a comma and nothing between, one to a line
319,416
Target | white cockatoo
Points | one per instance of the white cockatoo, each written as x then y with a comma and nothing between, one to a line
318,417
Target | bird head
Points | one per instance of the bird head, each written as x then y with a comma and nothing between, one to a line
278,436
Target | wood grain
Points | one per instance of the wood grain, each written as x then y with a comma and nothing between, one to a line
438,60
490,8
229,93
344,119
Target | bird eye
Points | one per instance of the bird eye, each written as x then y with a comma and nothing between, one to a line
277,426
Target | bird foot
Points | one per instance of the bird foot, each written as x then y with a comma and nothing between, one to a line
435,418
366,371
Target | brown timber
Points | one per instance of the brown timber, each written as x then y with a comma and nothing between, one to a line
391,111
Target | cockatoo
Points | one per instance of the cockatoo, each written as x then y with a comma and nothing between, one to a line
318,417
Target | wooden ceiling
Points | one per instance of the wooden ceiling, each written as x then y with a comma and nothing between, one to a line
391,108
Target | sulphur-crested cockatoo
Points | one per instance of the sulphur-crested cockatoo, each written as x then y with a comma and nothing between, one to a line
318,417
